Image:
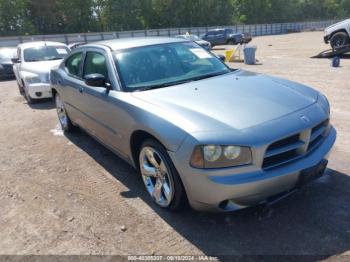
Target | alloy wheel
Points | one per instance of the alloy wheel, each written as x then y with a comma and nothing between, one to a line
156,176
61,112
339,41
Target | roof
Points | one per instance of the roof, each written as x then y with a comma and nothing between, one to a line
40,43
124,43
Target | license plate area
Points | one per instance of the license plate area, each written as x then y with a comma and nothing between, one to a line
312,173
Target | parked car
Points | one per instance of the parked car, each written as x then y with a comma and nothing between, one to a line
33,65
338,34
196,130
205,44
75,45
226,37
6,65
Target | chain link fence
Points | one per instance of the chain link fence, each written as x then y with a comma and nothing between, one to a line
254,30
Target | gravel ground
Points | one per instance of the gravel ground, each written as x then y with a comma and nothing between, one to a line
68,195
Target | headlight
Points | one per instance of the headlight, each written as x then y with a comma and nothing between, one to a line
219,156
33,80
212,153
232,152
323,101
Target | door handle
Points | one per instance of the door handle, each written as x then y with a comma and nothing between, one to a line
81,90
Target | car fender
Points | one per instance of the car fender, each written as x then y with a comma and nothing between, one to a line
342,26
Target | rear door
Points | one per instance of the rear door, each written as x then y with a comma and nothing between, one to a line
209,37
220,37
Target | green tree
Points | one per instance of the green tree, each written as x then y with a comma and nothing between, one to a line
14,18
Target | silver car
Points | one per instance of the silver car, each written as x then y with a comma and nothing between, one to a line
205,44
198,131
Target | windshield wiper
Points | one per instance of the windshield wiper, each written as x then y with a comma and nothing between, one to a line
54,58
146,88
208,76
33,60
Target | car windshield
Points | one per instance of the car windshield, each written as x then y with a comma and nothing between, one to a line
158,66
7,54
45,53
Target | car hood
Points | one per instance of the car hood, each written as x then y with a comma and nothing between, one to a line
41,67
338,24
202,42
238,100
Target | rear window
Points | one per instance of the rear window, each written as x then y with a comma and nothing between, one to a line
45,53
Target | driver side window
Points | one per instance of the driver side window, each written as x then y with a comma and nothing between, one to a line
95,63
73,64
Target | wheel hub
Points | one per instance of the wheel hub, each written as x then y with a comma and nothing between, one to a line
156,176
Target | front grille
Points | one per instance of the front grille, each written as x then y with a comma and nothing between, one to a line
317,134
293,147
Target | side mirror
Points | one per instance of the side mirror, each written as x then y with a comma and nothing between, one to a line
222,58
96,80
16,60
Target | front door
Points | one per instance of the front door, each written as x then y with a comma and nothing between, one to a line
100,106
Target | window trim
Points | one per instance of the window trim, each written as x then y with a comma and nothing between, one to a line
98,52
113,73
79,76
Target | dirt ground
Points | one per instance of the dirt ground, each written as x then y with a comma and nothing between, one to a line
68,195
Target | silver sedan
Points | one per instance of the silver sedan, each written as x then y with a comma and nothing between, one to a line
197,131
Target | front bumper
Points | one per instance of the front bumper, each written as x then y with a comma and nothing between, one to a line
39,91
225,190
326,39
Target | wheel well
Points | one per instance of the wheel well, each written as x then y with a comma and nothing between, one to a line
341,30
136,140
231,40
53,90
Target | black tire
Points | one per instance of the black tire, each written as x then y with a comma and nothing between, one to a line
339,40
20,88
231,42
27,96
179,200
66,124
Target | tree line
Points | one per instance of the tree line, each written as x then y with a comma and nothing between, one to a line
22,17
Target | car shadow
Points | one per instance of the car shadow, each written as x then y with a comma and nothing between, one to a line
314,222
6,79
44,104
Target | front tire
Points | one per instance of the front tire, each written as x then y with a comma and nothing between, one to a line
339,40
65,121
27,96
160,177
20,88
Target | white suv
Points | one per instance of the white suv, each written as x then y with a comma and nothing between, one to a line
32,67
338,34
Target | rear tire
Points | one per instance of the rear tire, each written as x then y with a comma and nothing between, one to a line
65,122
231,42
158,171
339,40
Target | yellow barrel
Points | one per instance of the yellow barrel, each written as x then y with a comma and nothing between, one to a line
229,55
